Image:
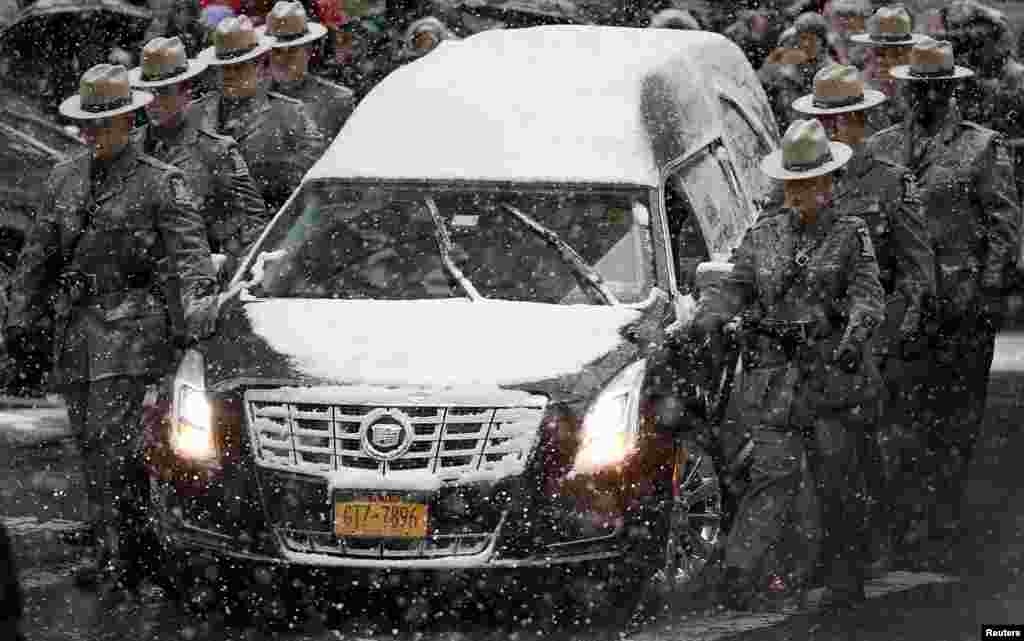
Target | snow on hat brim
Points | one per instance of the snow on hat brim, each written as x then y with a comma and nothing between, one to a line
315,29
209,57
902,72
195,67
772,165
72,107
867,39
805,104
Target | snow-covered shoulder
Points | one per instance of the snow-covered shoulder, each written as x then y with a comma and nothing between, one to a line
561,104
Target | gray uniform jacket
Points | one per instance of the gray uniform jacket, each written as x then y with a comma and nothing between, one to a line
139,245
329,104
277,137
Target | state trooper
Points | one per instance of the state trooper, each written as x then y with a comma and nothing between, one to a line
118,251
292,37
966,178
226,195
805,284
983,40
789,71
886,196
278,138
890,37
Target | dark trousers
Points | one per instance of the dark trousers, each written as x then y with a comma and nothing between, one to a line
105,418
10,591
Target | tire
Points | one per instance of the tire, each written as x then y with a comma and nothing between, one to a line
693,539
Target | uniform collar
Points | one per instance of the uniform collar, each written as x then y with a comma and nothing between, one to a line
826,216
291,88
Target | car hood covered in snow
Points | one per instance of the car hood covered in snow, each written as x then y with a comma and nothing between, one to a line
428,343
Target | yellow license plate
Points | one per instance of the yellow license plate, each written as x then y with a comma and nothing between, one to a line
372,519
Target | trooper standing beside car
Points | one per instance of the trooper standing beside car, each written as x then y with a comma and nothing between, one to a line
278,138
886,196
966,178
292,35
217,174
805,281
120,235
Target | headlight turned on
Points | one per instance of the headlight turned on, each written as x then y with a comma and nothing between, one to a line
612,422
192,418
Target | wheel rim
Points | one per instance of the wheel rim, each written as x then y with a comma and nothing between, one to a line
695,520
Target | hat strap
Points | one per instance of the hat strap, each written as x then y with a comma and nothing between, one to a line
845,102
932,74
807,166
227,54
155,77
116,103
286,37
892,37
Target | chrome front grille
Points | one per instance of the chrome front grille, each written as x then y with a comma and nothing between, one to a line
434,546
449,439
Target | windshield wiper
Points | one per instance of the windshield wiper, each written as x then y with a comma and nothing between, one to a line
444,244
587,275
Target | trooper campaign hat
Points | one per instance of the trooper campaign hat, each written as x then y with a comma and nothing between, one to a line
234,41
674,19
806,152
289,26
890,26
838,89
931,59
164,62
104,91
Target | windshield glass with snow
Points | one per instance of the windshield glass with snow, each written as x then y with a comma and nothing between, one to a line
383,243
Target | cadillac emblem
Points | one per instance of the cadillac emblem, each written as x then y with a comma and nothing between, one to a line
387,433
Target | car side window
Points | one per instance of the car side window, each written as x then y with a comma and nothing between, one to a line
712,192
688,246
747,147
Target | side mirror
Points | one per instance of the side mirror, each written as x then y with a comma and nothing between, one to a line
711,273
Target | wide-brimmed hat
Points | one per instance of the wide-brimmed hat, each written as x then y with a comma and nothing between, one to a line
234,41
674,19
806,152
890,26
164,62
423,36
104,91
288,26
931,59
838,89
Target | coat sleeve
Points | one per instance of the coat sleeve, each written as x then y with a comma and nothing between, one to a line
185,245
727,298
915,258
865,297
238,208
997,193
39,263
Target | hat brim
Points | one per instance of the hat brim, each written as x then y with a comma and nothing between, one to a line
195,67
772,166
209,55
902,72
72,107
316,31
866,39
805,104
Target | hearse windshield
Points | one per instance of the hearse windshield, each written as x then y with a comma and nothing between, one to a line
391,243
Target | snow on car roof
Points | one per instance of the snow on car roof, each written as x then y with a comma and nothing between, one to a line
562,103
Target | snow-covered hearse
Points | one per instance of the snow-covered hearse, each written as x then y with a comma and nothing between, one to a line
449,348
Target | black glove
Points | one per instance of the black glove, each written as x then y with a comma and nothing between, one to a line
847,357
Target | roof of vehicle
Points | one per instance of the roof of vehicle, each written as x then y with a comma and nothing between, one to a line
573,104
